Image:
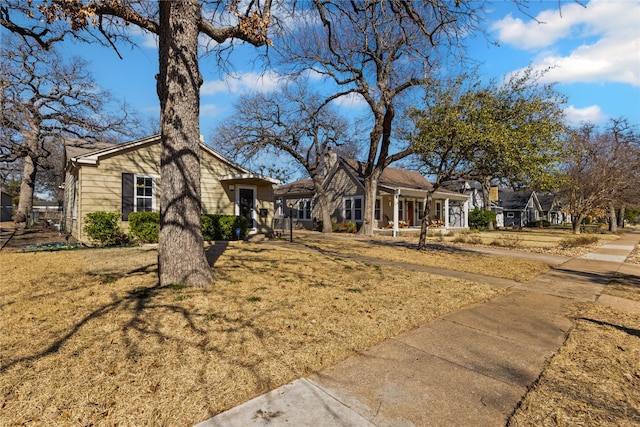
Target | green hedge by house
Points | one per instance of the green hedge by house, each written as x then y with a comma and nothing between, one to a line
144,226
480,219
102,227
223,227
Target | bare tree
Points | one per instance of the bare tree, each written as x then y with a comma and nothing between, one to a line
601,169
44,100
378,50
178,24
292,120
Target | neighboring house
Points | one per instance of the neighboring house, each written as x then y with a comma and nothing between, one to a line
6,207
473,189
552,210
399,202
519,207
125,178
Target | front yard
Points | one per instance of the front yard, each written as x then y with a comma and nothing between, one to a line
88,338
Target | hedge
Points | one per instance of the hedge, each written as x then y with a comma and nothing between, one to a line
144,226
223,227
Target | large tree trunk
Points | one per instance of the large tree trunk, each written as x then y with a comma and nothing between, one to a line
181,257
368,214
422,241
486,198
27,186
321,200
613,220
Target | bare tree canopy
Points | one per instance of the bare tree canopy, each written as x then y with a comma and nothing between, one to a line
377,50
295,121
45,100
602,169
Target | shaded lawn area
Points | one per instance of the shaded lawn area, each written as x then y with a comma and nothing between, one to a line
89,338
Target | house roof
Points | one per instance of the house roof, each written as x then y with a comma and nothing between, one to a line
546,201
78,147
391,177
90,154
296,187
514,200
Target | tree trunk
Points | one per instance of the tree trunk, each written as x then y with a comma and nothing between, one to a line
181,257
321,200
621,216
613,220
368,214
486,198
576,221
422,241
27,186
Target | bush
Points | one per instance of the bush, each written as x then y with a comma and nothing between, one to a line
102,227
144,226
479,218
573,242
223,227
539,223
344,227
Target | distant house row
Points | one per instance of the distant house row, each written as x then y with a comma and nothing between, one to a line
126,178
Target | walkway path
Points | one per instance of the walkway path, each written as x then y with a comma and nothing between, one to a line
471,367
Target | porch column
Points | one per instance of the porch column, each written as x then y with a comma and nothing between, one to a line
465,214
396,196
445,214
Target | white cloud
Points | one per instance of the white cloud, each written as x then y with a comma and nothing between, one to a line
209,110
577,116
243,83
610,35
352,100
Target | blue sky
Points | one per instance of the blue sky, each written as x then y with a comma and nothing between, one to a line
595,52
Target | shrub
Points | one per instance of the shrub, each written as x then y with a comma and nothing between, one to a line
479,218
539,223
223,227
345,227
573,242
510,242
102,227
144,226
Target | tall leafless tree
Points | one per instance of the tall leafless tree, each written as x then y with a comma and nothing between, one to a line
44,100
293,121
378,50
601,169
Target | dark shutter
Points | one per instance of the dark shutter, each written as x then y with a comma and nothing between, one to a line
127,195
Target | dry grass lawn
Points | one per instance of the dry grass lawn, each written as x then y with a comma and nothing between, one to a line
88,338
440,256
594,380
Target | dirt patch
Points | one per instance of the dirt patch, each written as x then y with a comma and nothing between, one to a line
37,237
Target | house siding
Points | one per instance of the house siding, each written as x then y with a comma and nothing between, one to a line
342,185
100,187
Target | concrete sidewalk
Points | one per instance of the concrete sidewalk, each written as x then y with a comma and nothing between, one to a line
471,367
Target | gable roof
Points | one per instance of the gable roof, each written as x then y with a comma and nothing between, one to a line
514,200
546,201
391,177
301,186
91,153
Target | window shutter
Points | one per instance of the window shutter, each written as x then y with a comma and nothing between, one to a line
127,195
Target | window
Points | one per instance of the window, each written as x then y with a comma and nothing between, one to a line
400,210
304,209
138,194
420,209
377,210
353,208
438,210
510,215
144,194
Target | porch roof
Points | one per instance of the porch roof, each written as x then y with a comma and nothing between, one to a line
441,193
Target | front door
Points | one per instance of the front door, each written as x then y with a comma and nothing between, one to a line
410,213
246,204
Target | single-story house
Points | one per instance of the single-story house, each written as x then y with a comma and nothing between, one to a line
519,208
552,209
400,199
125,178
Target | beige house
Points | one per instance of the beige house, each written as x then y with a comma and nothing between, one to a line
125,178
399,205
